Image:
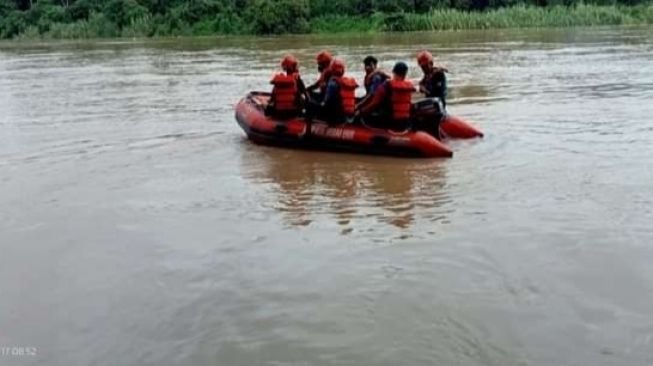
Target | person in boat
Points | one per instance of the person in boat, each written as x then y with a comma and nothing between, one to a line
390,105
288,91
434,82
373,79
318,88
339,101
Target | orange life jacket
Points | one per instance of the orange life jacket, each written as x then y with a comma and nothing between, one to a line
401,92
347,94
285,92
370,76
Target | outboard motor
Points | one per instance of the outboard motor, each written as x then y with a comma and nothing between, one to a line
427,115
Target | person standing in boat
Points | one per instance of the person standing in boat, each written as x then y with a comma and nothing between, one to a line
318,88
288,91
391,100
434,82
373,79
339,100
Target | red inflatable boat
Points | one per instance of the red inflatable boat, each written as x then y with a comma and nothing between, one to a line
296,132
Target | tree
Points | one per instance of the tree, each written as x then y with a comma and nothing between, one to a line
280,16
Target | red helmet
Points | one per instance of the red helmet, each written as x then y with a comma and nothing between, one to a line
424,58
289,63
324,57
337,67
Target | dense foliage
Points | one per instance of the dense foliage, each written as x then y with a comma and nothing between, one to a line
113,18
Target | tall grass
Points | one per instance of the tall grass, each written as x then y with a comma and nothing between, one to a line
519,16
524,16
99,25
347,23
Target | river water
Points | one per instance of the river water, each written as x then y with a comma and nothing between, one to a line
139,227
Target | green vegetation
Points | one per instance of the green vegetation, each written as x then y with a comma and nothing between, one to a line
147,18
522,16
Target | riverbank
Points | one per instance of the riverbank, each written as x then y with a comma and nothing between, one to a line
37,23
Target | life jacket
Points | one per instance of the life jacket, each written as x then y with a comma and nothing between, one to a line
347,94
285,92
370,76
401,92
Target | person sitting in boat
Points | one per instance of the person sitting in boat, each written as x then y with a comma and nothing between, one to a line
318,88
434,82
288,90
373,78
340,97
391,102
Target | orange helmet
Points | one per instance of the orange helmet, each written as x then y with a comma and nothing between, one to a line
424,58
337,67
324,57
289,63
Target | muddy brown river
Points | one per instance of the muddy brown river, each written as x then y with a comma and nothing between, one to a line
138,226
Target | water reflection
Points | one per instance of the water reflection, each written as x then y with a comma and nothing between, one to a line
356,192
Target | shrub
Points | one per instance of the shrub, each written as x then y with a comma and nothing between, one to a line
13,24
140,27
82,9
281,16
124,12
